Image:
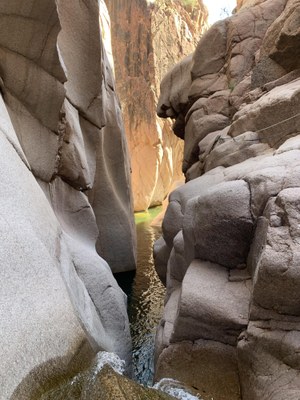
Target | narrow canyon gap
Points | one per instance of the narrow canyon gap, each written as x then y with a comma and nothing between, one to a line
220,105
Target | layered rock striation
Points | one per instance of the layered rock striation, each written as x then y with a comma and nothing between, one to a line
148,38
65,188
230,244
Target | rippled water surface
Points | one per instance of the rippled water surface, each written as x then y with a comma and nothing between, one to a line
146,298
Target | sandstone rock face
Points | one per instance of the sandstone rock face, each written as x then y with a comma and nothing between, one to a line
58,124
229,252
148,38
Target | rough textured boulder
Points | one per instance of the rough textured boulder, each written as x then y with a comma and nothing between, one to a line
153,36
269,361
279,52
218,224
230,248
57,292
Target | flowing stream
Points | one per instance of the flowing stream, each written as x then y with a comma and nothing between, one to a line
145,297
145,305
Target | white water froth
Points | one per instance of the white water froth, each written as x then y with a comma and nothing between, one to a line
104,358
166,385
175,389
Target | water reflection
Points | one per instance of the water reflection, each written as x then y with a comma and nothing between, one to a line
145,299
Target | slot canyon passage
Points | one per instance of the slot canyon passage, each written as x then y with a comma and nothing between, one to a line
108,108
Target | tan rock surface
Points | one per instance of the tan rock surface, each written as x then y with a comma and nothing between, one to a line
281,44
247,3
146,44
207,360
106,384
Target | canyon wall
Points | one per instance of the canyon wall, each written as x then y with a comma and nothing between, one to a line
229,253
65,188
148,38
247,3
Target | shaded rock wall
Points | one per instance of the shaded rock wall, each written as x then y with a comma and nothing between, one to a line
148,38
229,251
59,120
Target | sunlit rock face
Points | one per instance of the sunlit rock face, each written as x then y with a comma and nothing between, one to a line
148,38
247,3
62,193
229,253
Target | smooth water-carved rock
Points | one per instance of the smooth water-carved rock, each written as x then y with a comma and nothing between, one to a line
232,231
57,93
103,381
106,148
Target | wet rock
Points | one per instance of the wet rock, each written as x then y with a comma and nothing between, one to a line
103,382
110,385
